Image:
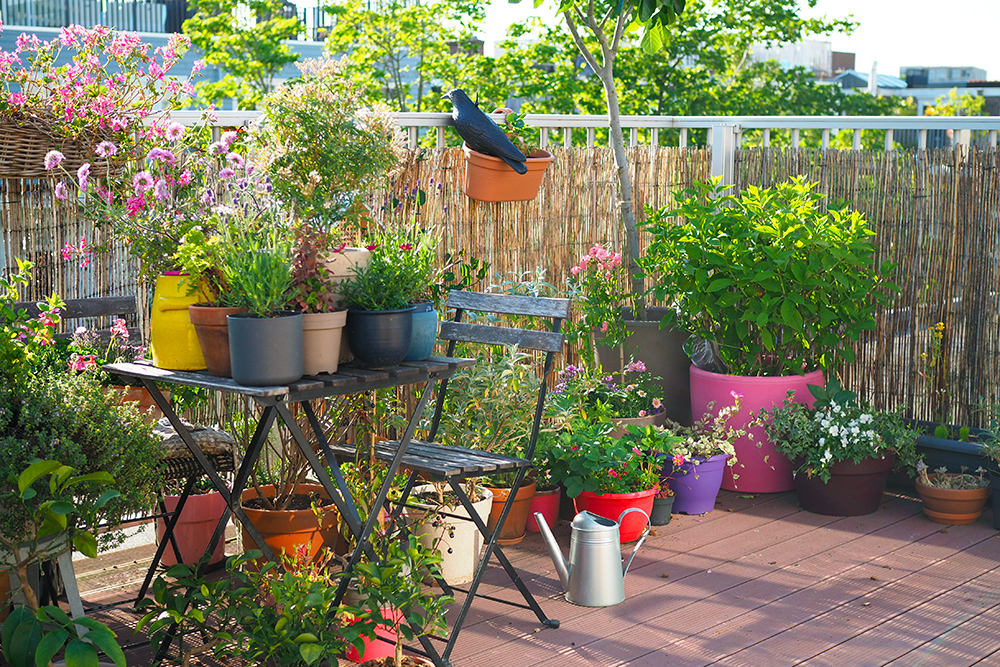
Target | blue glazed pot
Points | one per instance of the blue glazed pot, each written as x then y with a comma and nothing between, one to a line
379,338
425,329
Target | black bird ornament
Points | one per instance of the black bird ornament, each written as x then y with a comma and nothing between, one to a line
481,133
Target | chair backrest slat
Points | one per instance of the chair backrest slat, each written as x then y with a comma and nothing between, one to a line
509,304
546,341
93,307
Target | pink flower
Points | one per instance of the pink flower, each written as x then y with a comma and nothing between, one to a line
574,448
174,131
61,192
52,159
228,138
678,460
657,403
235,159
406,246
142,181
604,327
637,451
19,99
135,205
575,270
119,329
642,413
157,154
106,149
226,173
371,246
81,362
82,174
735,396
46,319
161,191
612,473
185,177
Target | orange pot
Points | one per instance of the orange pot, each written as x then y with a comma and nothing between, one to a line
513,528
489,178
955,507
290,530
213,335
143,400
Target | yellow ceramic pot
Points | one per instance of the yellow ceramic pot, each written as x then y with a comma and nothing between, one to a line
172,338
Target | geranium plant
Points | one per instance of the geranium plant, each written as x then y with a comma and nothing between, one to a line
836,428
773,283
88,351
586,458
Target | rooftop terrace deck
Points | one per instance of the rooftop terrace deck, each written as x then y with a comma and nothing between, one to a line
758,582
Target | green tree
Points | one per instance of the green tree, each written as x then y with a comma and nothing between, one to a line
246,38
399,41
955,104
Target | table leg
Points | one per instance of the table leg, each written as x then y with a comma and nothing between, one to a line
168,536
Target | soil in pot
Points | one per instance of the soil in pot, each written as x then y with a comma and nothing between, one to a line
956,507
298,526
513,528
212,328
854,489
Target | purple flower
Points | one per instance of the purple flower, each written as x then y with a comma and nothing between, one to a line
235,159
226,173
82,174
52,159
106,149
61,192
142,181
161,190
160,154
228,138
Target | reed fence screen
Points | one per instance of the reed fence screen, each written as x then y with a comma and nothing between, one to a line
935,214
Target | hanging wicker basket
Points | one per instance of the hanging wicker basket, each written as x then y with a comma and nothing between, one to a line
24,143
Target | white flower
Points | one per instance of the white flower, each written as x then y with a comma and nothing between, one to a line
822,441
827,456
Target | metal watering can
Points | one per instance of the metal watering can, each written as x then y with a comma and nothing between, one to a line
593,577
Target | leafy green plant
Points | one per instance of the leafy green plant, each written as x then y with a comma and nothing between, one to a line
942,479
23,340
57,514
198,255
400,268
586,458
837,428
522,136
394,593
597,285
257,265
628,395
774,284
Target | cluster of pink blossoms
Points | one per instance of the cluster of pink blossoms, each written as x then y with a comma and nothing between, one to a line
80,252
599,260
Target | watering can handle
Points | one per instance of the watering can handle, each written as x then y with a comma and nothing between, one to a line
642,538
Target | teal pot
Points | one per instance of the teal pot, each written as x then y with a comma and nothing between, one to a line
662,508
379,338
662,350
265,350
425,331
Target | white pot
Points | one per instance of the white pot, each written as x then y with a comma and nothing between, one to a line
342,265
460,554
321,334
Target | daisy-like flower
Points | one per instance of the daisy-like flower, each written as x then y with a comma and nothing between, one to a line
226,173
406,246
106,149
657,403
142,181
160,154
61,192
174,131
235,159
53,159
80,330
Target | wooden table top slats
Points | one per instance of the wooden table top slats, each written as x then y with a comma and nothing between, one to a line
347,379
442,460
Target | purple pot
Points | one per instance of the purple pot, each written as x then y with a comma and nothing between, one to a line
695,486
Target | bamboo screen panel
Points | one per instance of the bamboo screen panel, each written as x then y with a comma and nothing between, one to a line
937,215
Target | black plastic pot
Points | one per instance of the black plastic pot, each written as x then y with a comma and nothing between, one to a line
379,338
660,516
995,485
265,350
662,350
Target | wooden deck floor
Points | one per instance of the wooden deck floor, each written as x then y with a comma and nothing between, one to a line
758,582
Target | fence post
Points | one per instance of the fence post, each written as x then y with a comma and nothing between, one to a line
724,152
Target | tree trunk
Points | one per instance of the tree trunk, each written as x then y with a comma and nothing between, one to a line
624,182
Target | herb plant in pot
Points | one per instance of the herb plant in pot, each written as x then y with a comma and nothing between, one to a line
954,498
774,290
322,321
605,475
265,342
842,451
378,297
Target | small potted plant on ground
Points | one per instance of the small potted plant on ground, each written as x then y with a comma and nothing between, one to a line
490,179
954,498
775,290
696,462
842,451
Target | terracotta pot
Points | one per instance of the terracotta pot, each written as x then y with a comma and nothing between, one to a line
286,531
760,467
513,528
321,334
213,334
622,424
854,489
4,594
143,400
489,178
194,528
546,502
955,507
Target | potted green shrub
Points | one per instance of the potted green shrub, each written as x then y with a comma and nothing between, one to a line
378,297
322,321
265,341
842,451
775,291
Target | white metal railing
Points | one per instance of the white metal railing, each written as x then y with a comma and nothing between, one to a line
724,133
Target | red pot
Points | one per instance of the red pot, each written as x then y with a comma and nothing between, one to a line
611,506
546,502
194,528
375,649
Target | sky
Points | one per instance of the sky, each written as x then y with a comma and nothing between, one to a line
893,32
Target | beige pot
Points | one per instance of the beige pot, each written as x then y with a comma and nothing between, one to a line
621,424
321,334
342,265
460,549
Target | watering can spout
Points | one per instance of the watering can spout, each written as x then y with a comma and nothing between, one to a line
562,567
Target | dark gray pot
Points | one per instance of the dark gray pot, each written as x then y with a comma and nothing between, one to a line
265,350
379,338
995,484
662,350
660,516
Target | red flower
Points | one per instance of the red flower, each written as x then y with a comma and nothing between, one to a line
406,246
371,246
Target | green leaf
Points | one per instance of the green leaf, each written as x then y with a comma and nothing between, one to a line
81,654
33,472
719,284
54,614
790,315
61,507
105,497
105,640
49,646
653,39
95,477
311,653
85,543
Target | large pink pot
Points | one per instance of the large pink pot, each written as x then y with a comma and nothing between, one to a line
194,528
759,467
